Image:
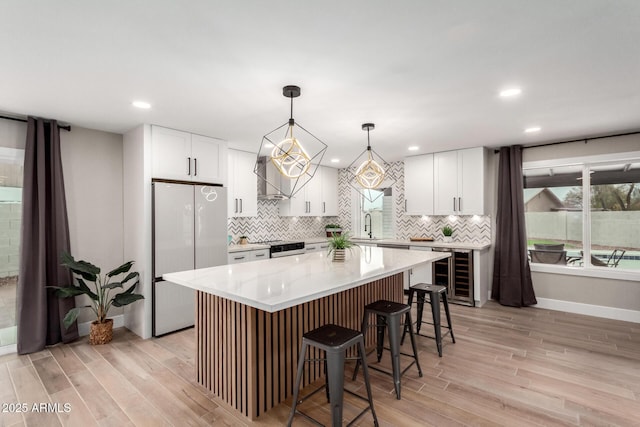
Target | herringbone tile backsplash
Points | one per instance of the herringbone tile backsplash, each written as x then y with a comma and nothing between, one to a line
268,225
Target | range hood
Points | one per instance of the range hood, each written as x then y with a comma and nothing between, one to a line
269,180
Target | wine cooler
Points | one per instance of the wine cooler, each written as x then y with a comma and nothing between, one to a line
456,273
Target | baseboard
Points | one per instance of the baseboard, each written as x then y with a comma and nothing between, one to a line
8,349
589,309
84,328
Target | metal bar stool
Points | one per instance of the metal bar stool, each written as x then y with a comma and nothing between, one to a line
334,340
389,314
436,294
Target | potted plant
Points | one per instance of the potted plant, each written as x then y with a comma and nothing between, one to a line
337,245
244,240
332,229
102,296
447,232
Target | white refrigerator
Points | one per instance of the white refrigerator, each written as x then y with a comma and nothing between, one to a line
189,232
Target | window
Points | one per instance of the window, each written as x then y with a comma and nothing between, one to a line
377,217
11,160
601,234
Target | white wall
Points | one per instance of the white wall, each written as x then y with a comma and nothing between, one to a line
92,162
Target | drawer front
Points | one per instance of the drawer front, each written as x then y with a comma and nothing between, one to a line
259,254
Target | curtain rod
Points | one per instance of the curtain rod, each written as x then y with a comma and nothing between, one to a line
67,127
585,140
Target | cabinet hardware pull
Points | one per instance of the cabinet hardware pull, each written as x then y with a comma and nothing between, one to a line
454,204
259,255
188,165
460,204
238,258
236,211
240,205
324,207
195,166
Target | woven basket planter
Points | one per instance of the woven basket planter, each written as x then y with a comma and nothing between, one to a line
101,333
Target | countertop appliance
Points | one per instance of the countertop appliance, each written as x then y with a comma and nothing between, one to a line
280,248
189,230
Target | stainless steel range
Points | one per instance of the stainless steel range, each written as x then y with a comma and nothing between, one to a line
280,248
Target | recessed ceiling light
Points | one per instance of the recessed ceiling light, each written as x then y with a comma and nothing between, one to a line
532,129
507,93
141,104
414,148
335,160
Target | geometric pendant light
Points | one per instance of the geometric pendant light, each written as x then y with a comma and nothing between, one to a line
296,156
369,173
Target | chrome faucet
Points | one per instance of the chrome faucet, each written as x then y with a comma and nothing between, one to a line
370,233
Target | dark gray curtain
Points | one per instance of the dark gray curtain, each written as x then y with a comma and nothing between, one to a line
45,235
512,284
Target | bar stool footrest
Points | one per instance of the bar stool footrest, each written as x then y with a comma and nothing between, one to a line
384,371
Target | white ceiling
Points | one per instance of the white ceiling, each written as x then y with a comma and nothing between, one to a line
427,73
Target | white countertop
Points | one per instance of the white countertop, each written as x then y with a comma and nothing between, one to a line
311,240
278,283
247,247
434,244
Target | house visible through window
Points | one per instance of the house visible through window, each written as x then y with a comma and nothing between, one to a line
562,229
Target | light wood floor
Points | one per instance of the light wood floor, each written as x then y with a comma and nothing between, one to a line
512,367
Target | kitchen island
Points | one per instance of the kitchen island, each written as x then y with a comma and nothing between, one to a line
250,317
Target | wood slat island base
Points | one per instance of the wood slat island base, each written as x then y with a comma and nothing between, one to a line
248,357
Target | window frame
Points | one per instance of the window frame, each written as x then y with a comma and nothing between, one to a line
586,162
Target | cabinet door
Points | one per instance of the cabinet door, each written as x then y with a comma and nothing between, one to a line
232,198
445,188
171,154
329,192
471,181
421,273
302,203
313,194
246,184
418,185
209,157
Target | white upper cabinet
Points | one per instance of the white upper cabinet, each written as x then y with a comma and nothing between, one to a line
242,200
329,192
186,157
459,178
319,197
418,185
313,194
209,159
